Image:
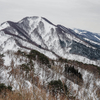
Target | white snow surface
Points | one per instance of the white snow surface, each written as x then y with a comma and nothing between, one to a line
4,25
3,37
97,37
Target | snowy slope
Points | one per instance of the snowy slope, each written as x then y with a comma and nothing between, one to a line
4,25
53,40
93,38
45,75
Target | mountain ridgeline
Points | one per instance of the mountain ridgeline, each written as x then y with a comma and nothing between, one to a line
54,41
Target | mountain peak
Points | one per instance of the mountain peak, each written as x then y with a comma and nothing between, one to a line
35,19
40,34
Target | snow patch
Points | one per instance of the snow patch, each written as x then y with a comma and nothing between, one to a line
4,25
92,41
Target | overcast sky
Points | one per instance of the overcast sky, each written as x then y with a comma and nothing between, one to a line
83,14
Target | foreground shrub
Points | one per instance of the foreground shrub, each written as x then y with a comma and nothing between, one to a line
56,87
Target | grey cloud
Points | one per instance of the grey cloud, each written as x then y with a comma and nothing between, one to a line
70,13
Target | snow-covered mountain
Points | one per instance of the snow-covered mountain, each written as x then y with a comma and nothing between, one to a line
52,40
